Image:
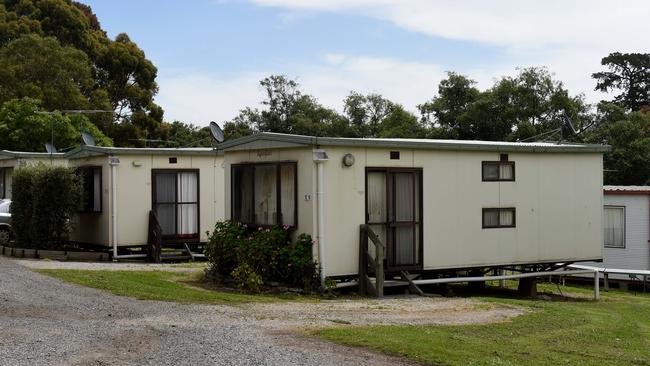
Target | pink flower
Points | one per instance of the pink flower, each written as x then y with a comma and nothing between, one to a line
285,227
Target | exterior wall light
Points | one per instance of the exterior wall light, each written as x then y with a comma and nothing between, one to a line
348,160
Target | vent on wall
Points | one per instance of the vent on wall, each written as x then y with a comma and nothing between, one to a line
394,155
173,160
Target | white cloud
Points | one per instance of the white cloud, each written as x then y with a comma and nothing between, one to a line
200,98
570,37
514,23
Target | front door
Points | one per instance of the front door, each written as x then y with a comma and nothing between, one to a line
394,213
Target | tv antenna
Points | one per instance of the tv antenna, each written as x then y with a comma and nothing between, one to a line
51,149
566,130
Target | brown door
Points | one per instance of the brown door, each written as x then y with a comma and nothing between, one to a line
393,212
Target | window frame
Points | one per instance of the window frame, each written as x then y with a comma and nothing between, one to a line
618,207
178,237
85,208
498,163
499,210
278,166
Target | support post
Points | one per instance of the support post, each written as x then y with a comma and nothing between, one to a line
606,281
596,286
363,265
502,283
379,273
528,287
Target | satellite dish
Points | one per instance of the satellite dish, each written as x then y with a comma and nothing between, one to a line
217,133
50,148
87,139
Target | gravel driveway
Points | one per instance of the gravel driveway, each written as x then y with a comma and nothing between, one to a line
44,321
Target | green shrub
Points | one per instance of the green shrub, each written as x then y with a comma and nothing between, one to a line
44,200
233,249
246,278
21,206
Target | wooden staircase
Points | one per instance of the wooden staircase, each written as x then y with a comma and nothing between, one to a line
159,251
372,276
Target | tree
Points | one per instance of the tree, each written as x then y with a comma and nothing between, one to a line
514,108
400,123
40,68
455,94
628,73
236,129
288,110
366,112
23,129
629,137
122,78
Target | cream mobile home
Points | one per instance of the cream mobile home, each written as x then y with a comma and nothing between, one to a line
183,186
436,204
12,160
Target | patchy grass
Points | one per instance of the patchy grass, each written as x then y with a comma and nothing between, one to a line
200,265
182,287
578,331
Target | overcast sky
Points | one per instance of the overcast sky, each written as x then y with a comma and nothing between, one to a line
211,54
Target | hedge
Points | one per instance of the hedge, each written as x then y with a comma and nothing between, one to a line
44,200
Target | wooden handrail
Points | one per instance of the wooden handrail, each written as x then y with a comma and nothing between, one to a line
154,238
368,264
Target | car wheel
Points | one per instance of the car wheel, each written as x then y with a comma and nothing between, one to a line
5,235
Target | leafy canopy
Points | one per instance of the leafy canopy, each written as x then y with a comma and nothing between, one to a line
78,67
629,73
23,129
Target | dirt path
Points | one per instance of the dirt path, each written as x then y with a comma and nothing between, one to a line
48,322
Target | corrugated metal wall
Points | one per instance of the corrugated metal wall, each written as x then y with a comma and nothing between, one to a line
636,254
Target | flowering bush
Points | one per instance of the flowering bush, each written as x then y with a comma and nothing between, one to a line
235,250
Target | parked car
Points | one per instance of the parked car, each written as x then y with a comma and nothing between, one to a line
5,221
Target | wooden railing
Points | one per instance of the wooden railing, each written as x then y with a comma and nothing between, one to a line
154,238
369,265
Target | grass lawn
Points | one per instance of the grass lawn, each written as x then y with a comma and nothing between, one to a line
613,331
182,287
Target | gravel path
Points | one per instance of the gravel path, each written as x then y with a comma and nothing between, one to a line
44,321
110,266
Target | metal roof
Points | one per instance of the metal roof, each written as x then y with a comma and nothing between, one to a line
627,189
431,144
6,154
83,151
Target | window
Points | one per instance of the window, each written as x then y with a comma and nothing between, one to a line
264,194
92,188
495,171
3,184
614,227
499,217
176,202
